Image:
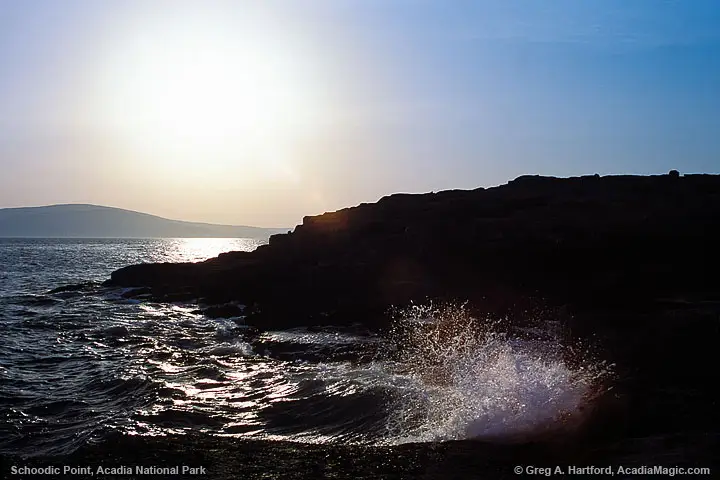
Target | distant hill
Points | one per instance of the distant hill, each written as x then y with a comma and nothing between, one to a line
94,221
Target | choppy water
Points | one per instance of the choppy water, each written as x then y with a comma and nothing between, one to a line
78,365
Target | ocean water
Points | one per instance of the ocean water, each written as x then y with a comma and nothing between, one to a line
81,365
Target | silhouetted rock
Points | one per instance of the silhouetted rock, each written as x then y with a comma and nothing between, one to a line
627,263
136,292
73,288
585,241
227,310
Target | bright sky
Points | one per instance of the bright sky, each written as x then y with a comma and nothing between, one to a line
261,112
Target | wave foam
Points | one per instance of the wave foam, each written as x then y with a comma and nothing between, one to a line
468,380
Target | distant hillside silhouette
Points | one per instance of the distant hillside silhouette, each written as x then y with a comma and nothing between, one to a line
93,221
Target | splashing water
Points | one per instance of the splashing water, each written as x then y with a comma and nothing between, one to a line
83,362
469,379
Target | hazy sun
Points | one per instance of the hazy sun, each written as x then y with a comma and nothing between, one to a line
207,95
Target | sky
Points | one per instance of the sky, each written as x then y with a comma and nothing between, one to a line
258,113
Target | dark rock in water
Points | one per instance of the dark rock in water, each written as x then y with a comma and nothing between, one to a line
227,310
180,296
136,292
116,331
72,288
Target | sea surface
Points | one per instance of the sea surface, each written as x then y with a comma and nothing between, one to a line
85,364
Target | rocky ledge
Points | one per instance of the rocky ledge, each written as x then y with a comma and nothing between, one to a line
628,262
586,242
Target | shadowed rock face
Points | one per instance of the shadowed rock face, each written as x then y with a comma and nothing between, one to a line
589,242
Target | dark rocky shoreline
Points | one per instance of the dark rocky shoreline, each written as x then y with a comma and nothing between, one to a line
228,458
587,242
628,264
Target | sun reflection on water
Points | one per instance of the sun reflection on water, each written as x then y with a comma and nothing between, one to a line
199,249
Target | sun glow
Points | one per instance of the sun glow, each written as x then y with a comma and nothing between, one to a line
205,94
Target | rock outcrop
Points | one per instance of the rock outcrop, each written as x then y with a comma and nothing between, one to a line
627,262
589,242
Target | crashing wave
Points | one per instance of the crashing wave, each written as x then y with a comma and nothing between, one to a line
469,379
